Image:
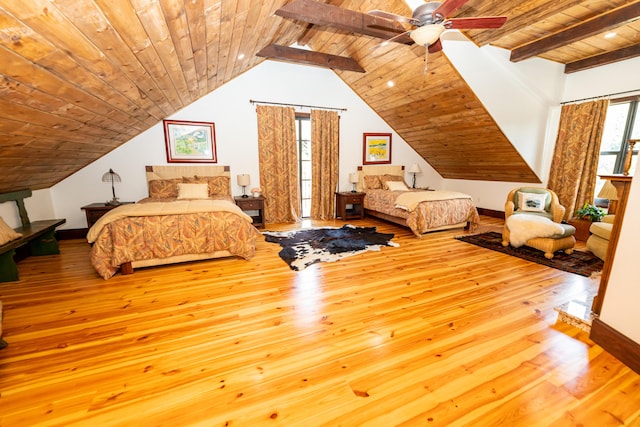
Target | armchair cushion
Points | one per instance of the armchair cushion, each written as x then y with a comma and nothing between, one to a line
601,229
598,242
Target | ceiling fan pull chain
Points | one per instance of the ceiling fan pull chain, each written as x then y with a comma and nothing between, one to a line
426,60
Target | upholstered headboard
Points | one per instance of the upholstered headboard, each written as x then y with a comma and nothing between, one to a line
377,170
170,175
169,172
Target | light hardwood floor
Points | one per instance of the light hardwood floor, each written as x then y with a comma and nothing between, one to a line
435,332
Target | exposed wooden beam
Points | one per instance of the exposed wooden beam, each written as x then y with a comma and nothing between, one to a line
317,13
603,59
522,20
591,27
326,60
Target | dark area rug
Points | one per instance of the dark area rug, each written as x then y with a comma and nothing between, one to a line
582,263
302,248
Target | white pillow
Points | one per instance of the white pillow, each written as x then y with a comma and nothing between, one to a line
532,202
7,233
396,186
193,191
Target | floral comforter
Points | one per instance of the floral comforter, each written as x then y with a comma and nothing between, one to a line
163,230
427,215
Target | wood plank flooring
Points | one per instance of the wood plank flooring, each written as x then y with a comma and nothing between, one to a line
435,332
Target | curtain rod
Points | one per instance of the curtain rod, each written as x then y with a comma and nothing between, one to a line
253,101
601,96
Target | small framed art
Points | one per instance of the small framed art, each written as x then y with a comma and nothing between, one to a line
190,142
376,148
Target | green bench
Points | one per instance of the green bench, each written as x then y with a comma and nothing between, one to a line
39,235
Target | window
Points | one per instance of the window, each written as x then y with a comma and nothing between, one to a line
621,124
303,135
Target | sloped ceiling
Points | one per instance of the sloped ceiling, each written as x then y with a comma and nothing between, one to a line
81,77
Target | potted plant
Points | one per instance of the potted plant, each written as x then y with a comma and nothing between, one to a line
590,212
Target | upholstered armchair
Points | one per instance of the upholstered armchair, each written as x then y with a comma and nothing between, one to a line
598,241
532,201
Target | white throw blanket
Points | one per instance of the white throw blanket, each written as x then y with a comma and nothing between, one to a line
409,200
523,227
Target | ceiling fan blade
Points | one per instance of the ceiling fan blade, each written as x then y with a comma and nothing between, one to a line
435,47
476,23
448,7
393,17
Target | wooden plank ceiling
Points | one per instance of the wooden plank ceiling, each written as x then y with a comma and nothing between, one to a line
81,77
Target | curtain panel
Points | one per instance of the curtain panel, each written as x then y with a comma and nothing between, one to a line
278,157
574,166
325,137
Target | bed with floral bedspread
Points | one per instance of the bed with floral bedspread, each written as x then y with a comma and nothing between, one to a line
166,228
420,210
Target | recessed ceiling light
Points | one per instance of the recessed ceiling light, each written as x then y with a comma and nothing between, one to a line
610,35
390,83
241,56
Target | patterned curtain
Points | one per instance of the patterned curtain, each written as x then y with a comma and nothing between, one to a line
325,137
278,156
574,166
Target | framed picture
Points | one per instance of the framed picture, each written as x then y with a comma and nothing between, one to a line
190,142
376,148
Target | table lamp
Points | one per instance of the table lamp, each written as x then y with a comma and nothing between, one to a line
353,179
244,180
112,177
609,191
414,169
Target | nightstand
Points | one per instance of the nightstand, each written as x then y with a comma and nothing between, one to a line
356,200
95,210
252,204
582,228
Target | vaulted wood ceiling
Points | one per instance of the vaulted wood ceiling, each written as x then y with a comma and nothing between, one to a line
81,77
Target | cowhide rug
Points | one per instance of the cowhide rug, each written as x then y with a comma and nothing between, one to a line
302,248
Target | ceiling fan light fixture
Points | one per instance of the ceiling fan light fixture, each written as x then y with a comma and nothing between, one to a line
427,35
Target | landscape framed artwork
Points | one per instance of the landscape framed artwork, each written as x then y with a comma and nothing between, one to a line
190,142
376,148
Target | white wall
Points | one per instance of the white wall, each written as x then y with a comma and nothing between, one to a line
236,136
601,81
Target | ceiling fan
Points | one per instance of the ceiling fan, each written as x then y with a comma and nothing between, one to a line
430,20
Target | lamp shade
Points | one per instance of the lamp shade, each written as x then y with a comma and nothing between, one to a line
414,168
427,34
111,177
608,191
244,180
353,178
